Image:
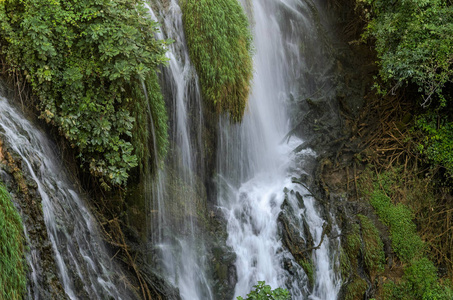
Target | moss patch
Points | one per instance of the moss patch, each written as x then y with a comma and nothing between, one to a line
373,247
220,43
307,265
356,289
12,275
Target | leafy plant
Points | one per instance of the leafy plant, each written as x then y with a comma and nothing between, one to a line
262,292
12,276
437,144
414,40
220,45
88,63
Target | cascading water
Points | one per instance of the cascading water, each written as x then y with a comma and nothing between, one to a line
179,239
84,266
255,168
256,163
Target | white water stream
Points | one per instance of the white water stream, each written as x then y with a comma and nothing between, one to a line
255,166
181,246
84,267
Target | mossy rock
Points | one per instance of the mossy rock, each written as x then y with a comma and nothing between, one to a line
373,246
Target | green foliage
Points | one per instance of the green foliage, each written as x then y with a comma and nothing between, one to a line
86,61
419,282
307,265
263,292
405,241
353,244
438,140
356,289
421,276
373,246
414,41
220,44
12,275
345,264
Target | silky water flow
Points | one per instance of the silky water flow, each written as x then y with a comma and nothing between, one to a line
84,265
179,239
256,163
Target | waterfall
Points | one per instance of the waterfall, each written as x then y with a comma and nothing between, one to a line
177,234
84,266
257,174
256,162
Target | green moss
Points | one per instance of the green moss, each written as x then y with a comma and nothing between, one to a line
307,265
398,217
353,244
420,280
12,275
220,43
356,289
373,247
405,241
345,264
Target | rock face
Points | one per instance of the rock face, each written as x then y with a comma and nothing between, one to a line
300,245
43,281
291,237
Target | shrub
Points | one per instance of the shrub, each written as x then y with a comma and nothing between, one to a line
414,41
263,292
437,144
86,62
220,43
12,275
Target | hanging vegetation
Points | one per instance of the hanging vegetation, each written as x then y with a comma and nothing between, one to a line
12,275
86,62
220,47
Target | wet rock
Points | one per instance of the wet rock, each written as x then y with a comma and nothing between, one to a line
18,182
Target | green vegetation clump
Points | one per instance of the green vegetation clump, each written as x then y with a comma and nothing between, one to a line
220,46
12,276
356,289
373,246
414,41
86,62
405,241
307,265
420,279
264,292
437,143
353,244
